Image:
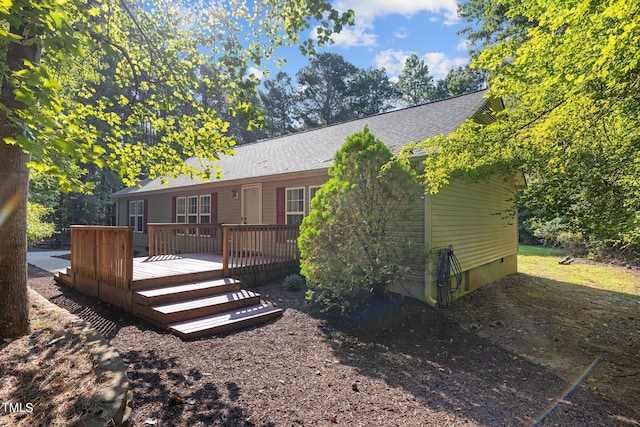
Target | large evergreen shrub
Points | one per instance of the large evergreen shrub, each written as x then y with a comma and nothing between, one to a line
354,242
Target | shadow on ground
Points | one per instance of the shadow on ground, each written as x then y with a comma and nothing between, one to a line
183,398
105,318
508,353
471,361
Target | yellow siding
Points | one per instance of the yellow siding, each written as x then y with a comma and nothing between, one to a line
478,219
412,229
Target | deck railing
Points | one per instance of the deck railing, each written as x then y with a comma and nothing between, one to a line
102,256
171,239
251,249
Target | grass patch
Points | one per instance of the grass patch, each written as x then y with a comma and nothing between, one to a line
539,261
540,251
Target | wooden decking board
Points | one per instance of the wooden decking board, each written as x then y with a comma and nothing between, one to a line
143,269
181,292
64,279
224,322
205,302
167,291
187,287
223,319
177,279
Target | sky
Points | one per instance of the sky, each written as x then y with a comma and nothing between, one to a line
387,32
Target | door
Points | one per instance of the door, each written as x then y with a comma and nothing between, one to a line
251,204
251,214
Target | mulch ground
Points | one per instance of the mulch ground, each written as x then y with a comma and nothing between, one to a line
403,363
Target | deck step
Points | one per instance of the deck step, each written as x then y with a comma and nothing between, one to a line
139,283
64,277
198,307
224,322
170,294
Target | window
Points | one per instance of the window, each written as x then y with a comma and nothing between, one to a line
136,215
192,210
295,205
181,210
205,209
312,193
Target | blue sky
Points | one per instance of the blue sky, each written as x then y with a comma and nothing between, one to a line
388,31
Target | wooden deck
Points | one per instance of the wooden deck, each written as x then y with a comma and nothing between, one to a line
189,294
165,270
166,265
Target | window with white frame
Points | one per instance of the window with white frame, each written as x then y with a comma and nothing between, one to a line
193,209
136,215
204,213
312,193
295,205
181,210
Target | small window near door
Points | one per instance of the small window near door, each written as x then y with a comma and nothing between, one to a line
295,205
136,215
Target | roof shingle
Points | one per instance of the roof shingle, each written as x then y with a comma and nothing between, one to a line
314,149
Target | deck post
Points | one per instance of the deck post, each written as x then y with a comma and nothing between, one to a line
225,251
151,243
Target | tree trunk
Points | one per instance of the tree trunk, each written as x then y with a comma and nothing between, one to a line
14,186
14,183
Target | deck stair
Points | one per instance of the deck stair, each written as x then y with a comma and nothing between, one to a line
196,309
64,276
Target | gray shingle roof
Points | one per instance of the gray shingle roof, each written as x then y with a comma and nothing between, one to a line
314,149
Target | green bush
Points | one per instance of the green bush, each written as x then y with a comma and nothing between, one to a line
293,282
37,228
555,233
351,245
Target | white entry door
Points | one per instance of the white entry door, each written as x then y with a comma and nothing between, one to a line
251,204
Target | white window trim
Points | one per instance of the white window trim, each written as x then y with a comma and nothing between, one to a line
136,215
286,203
311,188
201,211
192,214
181,212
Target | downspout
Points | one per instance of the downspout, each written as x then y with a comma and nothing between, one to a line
427,241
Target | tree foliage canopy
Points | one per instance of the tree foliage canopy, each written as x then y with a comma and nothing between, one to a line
156,51
569,80
325,90
126,85
415,84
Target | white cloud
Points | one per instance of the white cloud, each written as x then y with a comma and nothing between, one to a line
401,33
392,60
256,72
366,12
439,64
463,45
358,35
371,9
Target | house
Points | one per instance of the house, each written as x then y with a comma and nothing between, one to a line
273,182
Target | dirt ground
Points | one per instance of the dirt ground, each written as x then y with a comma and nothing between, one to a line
517,352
